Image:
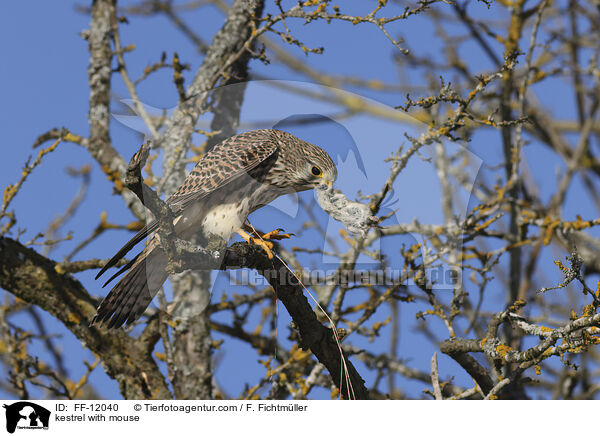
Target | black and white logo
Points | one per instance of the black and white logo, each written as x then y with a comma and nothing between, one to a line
26,415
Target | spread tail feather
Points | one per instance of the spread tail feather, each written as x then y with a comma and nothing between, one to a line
145,231
130,297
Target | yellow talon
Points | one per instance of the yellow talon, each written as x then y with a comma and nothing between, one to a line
274,234
263,238
266,245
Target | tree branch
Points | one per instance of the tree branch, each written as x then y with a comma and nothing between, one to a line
99,76
33,278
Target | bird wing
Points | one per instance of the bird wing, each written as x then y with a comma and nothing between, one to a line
226,162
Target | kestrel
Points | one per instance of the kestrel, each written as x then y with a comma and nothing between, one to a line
235,178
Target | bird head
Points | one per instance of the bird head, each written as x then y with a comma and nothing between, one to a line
307,166
314,167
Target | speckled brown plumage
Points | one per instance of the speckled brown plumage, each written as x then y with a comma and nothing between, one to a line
238,176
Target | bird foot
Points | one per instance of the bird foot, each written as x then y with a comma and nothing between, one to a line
276,235
265,245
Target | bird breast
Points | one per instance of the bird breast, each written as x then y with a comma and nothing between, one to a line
224,219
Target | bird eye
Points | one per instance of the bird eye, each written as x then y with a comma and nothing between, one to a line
316,171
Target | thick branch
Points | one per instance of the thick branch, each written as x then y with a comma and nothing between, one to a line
316,336
225,50
34,279
99,75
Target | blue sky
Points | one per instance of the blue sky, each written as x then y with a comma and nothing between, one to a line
44,85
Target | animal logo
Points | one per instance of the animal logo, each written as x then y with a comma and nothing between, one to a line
26,415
